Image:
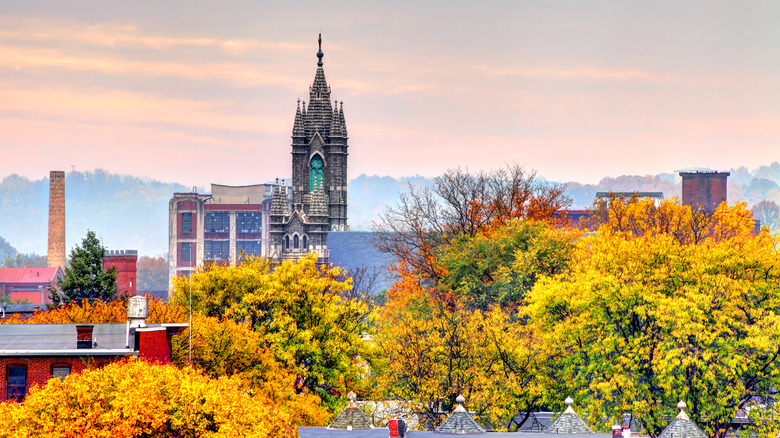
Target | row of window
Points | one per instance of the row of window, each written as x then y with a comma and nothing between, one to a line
16,379
220,249
219,222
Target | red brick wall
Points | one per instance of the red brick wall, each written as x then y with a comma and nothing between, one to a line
153,346
39,368
705,190
126,267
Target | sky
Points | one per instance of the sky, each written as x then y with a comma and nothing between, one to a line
201,92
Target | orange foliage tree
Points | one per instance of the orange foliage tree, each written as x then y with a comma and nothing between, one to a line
133,399
98,312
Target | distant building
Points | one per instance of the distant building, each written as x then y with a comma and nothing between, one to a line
126,264
219,226
704,189
28,284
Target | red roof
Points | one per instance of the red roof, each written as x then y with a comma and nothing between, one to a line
29,275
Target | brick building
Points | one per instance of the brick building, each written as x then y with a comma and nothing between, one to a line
31,354
28,284
704,189
126,264
218,226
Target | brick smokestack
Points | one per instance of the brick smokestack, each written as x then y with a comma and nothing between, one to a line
56,254
704,189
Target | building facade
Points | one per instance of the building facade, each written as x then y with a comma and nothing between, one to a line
220,226
278,221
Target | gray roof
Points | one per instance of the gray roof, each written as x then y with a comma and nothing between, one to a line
355,249
322,432
60,339
460,422
351,418
569,422
682,427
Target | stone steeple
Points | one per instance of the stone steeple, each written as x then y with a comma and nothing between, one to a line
319,171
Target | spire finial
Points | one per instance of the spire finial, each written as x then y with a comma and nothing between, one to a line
568,401
319,52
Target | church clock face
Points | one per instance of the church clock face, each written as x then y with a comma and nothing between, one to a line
316,173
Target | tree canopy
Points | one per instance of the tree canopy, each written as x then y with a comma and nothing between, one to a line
299,313
85,277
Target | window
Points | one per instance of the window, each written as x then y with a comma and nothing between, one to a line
217,222
186,222
16,386
295,241
316,173
305,243
60,371
248,222
186,251
216,249
286,242
248,248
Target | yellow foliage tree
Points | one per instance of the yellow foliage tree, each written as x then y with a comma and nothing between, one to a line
135,399
229,348
297,310
650,314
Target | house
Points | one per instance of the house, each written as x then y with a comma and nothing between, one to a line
31,354
28,284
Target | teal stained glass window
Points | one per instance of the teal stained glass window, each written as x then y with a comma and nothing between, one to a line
316,173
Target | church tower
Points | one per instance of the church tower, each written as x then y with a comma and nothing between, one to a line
319,175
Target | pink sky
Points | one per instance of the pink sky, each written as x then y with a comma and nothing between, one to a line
198,92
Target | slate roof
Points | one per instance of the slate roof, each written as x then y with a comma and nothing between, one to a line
355,249
323,432
682,426
569,422
351,418
460,422
60,340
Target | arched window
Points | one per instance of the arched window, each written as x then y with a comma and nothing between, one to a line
316,173
305,242
295,241
286,242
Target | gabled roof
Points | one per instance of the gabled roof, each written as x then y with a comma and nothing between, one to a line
569,421
29,275
682,426
351,418
460,421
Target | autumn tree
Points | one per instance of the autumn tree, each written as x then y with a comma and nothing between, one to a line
152,274
85,276
768,213
223,347
133,399
463,203
650,313
464,334
298,310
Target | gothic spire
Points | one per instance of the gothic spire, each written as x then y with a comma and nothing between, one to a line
298,125
319,52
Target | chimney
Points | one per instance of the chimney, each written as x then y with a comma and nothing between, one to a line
84,336
704,190
56,253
